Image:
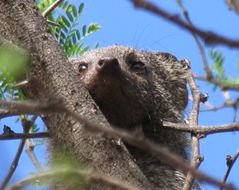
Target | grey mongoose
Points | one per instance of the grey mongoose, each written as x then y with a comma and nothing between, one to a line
137,90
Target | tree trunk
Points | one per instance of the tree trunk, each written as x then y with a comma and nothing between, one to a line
51,76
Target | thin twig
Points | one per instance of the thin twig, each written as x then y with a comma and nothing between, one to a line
225,104
14,163
8,113
30,149
233,4
223,85
51,8
208,36
54,23
32,156
230,163
202,129
196,95
46,175
200,47
193,121
14,136
22,83
137,139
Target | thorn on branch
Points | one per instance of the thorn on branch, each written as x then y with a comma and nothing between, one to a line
186,63
228,160
204,97
27,124
22,83
7,130
201,136
200,159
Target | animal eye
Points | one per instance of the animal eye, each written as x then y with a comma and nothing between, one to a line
138,67
82,68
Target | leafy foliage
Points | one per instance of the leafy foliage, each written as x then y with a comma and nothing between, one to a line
64,168
218,67
12,68
13,63
65,29
66,32
218,60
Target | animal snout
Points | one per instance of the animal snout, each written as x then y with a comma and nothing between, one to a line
108,65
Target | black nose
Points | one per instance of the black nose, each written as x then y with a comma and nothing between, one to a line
108,64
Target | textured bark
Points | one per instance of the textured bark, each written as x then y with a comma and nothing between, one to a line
51,76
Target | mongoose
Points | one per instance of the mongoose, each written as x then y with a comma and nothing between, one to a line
137,90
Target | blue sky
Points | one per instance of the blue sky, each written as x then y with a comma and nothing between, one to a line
123,24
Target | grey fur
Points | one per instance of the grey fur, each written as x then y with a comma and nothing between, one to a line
140,100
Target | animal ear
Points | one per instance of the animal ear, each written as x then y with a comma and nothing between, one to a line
175,78
167,57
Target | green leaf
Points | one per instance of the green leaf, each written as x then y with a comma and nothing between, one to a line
73,36
78,34
180,1
13,63
72,9
218,61
68,35
62,38
65,4
80,9
84,49
93,27
65,21
84,30
96,45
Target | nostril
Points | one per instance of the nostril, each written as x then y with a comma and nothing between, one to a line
101,62
108,64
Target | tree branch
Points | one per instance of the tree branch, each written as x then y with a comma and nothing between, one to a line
51,8
193,121
14,136
14,164
230,163
226,103
208,36
200,47
233,4
30,149
137,139
202,129
78,174
221,84
32,156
